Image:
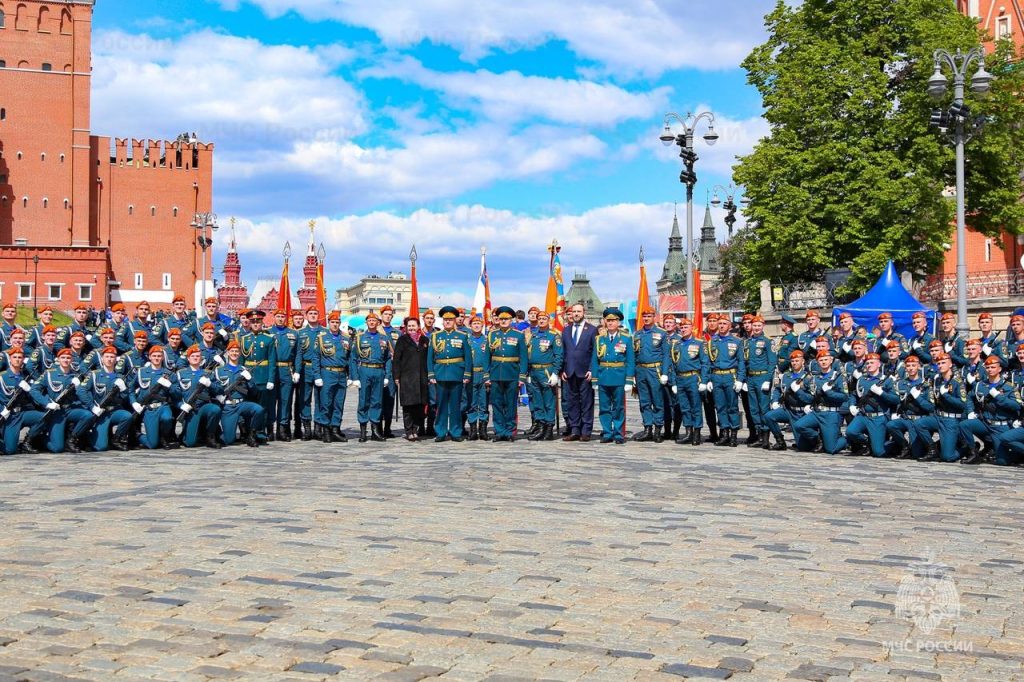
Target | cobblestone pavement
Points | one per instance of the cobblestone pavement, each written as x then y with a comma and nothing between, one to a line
535,560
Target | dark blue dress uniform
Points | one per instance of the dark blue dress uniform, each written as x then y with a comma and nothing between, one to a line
807,340
305,390
331,355
827,397
918,346
994,405
173,357
370,365
971,373
124,341
151,396
884,340
5,334
288,363
17,408
194,387
47,392
222,326
103,409
477,388
40,361
234,384
788,343
162,330
688,370
508,356
761,360
449,364
787,404
129,363
64,336
875,396
993,345
613,369
651,365
954,347
728,373
545,365
387,405
950,398
915,404
260,358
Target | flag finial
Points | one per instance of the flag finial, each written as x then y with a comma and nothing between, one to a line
412,255
641,254
287,252
483,249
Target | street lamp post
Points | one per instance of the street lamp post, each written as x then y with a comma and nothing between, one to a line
688,177
35,286
730,203
202,221
958,116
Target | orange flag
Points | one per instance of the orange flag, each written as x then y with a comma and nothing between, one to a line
554,301
284,292
321,292
643,300
698,304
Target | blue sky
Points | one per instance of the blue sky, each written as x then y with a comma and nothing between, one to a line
444,123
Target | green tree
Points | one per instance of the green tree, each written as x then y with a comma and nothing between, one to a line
851,173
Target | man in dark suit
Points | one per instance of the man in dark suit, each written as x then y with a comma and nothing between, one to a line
578,345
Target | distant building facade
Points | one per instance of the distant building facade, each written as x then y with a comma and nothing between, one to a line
373,292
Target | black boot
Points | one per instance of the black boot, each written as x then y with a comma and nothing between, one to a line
269,432
645,435
657,434
430,432
697,437
284,433
975,456
764,440
121,444
753,439
540,433
685,438
297,433
169,443
932,454
732,437
325,434
71,445
337,435
376,432
250,438
307,432
362,433
780,443
535,428
724,440
549,434
212,442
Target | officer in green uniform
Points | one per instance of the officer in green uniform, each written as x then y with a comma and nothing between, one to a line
728,373
544,361
371,371
449,368
875,396
688,371
286,372
331,353
506,374
613,370
258,351
477,413
651,374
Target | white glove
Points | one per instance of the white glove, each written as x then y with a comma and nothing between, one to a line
295,377
703,388
857,374
971,378
553,380
357,383
320,382
5,413
807,409
97,410
827,386
387,381
164,381
986,349
972,415
348,382
675,390
52,406
137,407
663,379
630,385
24,385
795,386
915,392
916,344
121,386
949,346
994,392
88,337
205,381
223,332
246,375
944,390
1017,423
847,347
775,406
221,399
877,389
218,359
76,382
737,386
766,386
529,380
270,385
854,410
186,408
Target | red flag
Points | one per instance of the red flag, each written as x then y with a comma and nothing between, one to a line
321,292
284,292
698,304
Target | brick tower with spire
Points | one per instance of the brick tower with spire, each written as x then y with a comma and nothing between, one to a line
307,294
233,294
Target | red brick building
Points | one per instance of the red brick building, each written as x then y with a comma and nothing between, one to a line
107,220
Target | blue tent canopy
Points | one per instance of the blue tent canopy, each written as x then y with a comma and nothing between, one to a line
887,296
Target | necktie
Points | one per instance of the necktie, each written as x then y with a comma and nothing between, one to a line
576,335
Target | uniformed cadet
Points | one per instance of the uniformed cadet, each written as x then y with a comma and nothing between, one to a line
387,407
174,351
34,336
920,343
43,356
330,353
761,360
17,341
244,326
888,336
825,393
150,395
529,391
788,399
54,392
973,368
669,400
78,324
544,361
77,345
708,396
931,369
847,335
806,340
728,373
1013,340
129,363
990,341
651,375
298,325
234,386
285,373
892,366
613,370
7,324
952,342
261,360
477,388
118,314
222,324
994,405
304,395
688,371
449,369
854,368
129,330
915,403
18,409
950,396
103,397
93,360
212,354
787,343
874,397
506,373
178,319
371,373
194,394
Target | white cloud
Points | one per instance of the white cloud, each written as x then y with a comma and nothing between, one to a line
512,96
627,36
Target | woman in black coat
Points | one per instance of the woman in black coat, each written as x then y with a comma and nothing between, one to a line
409,367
